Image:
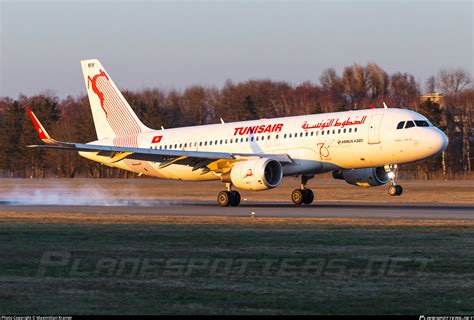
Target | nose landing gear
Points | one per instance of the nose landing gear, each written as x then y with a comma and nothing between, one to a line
229,197
394,189
303,195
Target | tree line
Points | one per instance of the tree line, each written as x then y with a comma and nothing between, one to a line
357,87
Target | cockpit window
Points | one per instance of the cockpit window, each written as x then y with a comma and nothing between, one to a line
400,125
422,123
410,124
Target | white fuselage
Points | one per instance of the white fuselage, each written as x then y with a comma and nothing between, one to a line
316,143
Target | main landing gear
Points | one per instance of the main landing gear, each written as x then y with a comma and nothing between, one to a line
394,189
229,197
303,195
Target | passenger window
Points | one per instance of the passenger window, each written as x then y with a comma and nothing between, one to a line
251,139
355,129
312,133
289,135
215,142
276,137
256,139
301,134
180,145
268,137
247,139
421,123
400,125
176,146
306,134
344,131
284,136
333,131
350,129
200,143
338,130
322,133
241,139
327,132
410,124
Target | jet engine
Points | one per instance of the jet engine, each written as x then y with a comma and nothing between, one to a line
363,177
258,174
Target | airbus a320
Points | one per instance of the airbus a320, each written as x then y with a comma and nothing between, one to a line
362,147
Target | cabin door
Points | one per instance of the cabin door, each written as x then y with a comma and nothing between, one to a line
374,129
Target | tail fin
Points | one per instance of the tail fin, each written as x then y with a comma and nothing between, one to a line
112,114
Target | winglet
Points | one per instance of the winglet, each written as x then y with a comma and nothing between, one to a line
40,130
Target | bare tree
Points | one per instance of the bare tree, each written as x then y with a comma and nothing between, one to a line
465,111
452,81
355,79
378,80
430,84
404,90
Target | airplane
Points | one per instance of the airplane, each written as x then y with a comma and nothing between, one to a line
362,147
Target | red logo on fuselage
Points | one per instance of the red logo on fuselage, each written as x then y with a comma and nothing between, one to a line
156,139
96,90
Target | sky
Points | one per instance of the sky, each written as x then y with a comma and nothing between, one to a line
175,44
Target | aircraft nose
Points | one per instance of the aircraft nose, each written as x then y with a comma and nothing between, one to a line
438,141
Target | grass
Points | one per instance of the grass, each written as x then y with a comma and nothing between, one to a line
235,266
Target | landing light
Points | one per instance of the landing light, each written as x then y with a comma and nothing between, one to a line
391,174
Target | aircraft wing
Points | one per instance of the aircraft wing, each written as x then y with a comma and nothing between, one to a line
215,161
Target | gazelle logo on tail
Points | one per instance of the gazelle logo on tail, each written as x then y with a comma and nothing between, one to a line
96,90
113,116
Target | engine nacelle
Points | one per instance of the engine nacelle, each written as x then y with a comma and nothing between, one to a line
258,174
363,177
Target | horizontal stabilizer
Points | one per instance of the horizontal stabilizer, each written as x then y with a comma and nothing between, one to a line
43,135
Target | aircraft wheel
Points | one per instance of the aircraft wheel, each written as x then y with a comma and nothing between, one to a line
399,190
224,198
297,196
308,196
234,198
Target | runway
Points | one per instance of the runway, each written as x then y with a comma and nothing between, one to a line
260,209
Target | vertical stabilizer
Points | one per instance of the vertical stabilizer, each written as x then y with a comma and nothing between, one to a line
113,116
